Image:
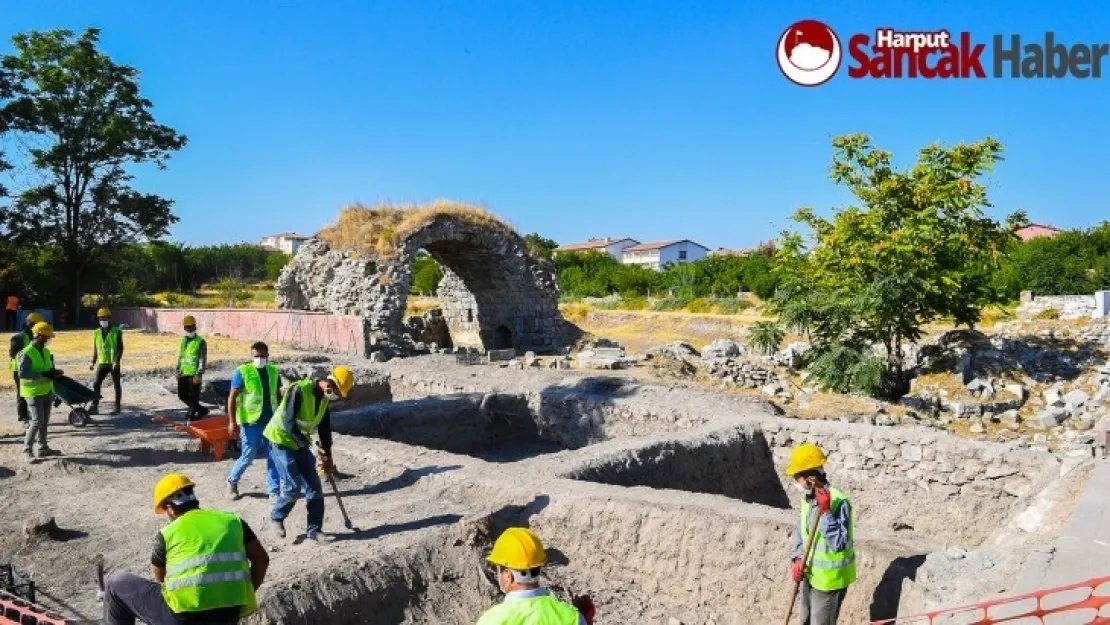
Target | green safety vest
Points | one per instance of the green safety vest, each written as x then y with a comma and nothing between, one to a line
248,404
26,341
206,563
189,355
830,570
41,361
107,347
308,417
542,610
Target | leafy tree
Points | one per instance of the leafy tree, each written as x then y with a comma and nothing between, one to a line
539,246
917,247
86,121
275,262
766,336
426,275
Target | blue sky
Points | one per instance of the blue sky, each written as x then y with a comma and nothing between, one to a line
574,119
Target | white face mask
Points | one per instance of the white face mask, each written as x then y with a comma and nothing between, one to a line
801,487
105,323
191,334
331,396
259,363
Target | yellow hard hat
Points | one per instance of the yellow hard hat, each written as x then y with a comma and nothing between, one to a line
518,549
805,457
167,486
188,321
103,313
43,329
344,378
32,319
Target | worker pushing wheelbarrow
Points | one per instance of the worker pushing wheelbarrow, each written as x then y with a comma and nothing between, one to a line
76,396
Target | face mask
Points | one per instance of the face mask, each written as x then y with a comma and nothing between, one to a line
332,396
191,334
259,363
105,324
801,487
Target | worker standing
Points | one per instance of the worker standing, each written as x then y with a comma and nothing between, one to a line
107,352
36,386
518,555
207,566
192,356
19,342
303,411
254,395
824,580
11,313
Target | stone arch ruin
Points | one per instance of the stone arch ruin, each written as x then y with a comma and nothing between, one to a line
493,294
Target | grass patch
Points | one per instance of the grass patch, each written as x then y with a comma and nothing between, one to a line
1046,314
378,230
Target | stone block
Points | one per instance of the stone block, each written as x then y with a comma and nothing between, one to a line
500,355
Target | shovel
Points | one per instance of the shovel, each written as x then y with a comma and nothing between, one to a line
335,489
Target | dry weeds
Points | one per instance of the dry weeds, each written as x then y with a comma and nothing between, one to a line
378,230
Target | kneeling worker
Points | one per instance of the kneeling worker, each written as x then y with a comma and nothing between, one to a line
207,565
303,410
518,555
824,580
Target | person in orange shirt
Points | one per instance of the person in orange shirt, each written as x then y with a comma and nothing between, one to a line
11,312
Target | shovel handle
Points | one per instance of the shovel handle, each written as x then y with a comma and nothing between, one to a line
339,500
810,542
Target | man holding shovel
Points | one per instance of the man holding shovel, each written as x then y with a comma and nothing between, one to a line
824,554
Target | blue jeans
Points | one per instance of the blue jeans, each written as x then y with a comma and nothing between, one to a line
297,468
254,445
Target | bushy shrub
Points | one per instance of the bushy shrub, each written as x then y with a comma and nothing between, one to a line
1047,313
766,336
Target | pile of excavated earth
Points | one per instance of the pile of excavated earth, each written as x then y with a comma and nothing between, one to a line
664,501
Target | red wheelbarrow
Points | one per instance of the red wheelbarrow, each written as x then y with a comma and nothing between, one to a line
211,431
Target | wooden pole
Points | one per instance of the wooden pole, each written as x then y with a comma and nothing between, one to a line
810,542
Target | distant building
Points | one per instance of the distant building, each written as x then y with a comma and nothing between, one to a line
658,254
723,251
614,247
288,242
1033,231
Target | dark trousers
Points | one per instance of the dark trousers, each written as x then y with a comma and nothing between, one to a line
21,404
190,394
102,372
129,597
9,320
818,607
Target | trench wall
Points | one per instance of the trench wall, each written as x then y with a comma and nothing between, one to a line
343,334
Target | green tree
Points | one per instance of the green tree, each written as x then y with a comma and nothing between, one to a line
426,275
917,247
275,262
86,121
539,246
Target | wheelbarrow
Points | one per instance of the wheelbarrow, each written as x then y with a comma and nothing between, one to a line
211,431
76,396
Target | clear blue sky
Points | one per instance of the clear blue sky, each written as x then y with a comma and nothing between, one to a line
574,119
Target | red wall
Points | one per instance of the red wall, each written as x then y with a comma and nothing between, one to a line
332,333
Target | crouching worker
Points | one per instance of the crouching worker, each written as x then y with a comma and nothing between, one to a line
518,555
824,579
207,565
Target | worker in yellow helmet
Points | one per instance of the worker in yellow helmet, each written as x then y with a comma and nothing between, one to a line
192,357
21,340
36,385
206,564
107,353
831,567
519,555
303,411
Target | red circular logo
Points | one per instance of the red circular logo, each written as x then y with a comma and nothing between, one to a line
809,53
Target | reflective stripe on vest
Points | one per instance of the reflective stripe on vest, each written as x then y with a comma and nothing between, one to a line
41,361
830,570
542,610
249,402
189,355
107,348
310,414
26,340
206,563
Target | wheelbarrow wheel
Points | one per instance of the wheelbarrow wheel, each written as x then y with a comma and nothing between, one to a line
79,417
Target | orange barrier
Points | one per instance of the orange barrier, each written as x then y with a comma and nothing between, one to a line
1088,600
17,611
212,432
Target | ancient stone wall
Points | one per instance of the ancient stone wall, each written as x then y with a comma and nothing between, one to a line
496,294
1068,306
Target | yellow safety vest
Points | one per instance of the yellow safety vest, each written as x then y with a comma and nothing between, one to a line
206,563
249,402
189,355
26,340
542,610
41,361
830,570
107,347
309,416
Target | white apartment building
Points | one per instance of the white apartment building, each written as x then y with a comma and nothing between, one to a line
658,254
288,242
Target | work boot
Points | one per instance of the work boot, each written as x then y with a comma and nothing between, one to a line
46,451
94,408
116,410
28,457
233,490
320,538
278,528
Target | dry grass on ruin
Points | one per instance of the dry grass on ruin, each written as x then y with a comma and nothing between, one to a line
379,230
